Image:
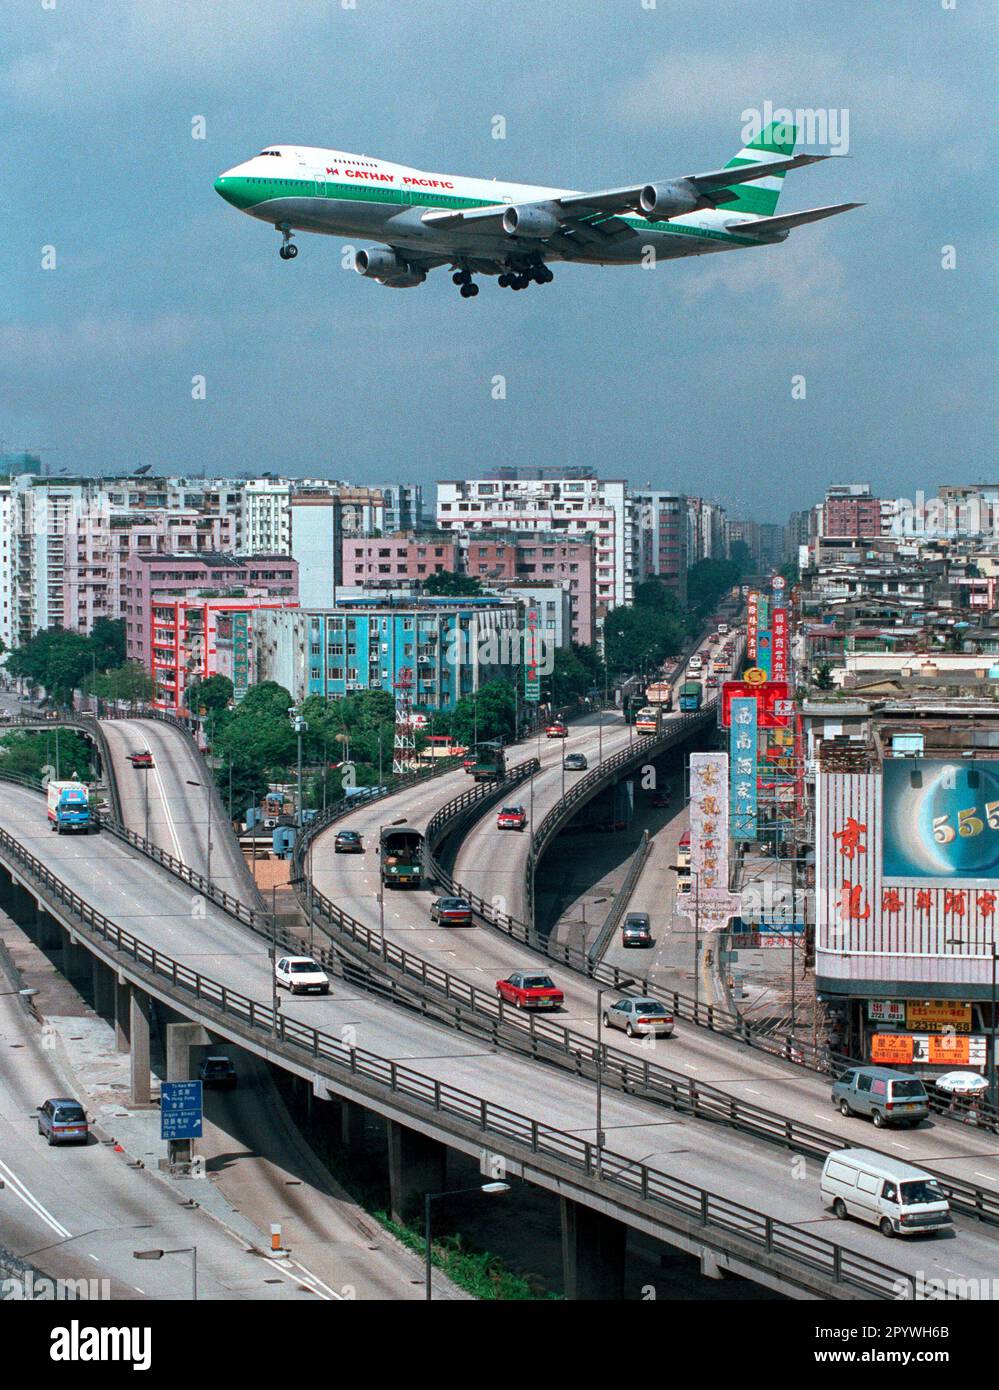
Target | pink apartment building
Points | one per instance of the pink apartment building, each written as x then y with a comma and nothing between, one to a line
386,561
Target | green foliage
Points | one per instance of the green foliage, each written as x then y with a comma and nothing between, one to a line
447,585
823,677
215,693
26,754
128,682
258,733
577,669
639,640
476,1271
790,572
709,580
60,660
489,714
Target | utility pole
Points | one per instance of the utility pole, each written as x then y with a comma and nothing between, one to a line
300,726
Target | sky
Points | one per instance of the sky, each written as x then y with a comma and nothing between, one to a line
851,352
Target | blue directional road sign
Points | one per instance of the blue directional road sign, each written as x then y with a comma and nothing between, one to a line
180,1110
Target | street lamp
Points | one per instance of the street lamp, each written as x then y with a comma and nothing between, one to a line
601,1136
191,1250
208,796
300,727
22,993
489,1188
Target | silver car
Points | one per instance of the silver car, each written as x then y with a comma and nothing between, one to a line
640,1017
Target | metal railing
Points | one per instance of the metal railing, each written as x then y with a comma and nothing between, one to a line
634,1183
621,899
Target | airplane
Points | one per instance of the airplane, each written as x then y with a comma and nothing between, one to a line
511,230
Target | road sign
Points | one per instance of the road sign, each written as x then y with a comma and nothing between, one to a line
180,1110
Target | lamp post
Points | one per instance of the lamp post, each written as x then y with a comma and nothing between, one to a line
300,727
208,794
191,1250
21,993
489,1188
601,1136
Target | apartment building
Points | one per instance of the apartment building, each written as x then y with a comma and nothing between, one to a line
321,517
452,646
384,562
662,539
569,503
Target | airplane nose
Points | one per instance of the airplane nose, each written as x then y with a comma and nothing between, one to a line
222,186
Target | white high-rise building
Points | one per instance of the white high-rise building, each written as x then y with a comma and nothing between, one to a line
264,522
560,501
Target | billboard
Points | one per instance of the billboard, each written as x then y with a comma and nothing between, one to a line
710,901
742,762
532,655
940,821
752,623
764,650
771,698
778,662
240,655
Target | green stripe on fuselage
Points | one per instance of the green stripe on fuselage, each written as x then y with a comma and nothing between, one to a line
247,193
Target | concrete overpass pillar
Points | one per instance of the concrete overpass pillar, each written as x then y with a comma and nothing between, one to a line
122,1007
138,1032
23,907
417,1165
180,1038
593,1247
49,933
351,1125
6,891
75,965
103,987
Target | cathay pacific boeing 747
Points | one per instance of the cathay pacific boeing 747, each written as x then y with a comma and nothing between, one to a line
511,230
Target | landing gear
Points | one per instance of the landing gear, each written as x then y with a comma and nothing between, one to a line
520,279
463,278
288,250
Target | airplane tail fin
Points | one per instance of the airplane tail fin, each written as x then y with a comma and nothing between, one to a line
759,198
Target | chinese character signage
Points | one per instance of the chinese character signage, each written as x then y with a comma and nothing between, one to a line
772,703
709,899
893,1048
240,656
886,1010
764,650
778,661
532,656
742,764
752,623
940,822
180,1110
922,1014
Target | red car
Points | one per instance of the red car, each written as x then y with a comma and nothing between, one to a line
511,818
141,759
528,990
556,731
468,763
451,912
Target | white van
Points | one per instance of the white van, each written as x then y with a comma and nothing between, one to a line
894,1196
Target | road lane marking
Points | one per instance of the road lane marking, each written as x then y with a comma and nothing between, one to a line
22,1191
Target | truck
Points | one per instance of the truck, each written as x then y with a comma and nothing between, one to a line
69,809
691,695
660,693
400,856
631,706
490,762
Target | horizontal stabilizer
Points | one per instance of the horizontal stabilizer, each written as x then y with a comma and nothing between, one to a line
789,219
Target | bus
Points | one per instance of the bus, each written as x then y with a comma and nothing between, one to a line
647,720
400,856
490,762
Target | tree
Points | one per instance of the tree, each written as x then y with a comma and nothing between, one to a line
215,693
128,682
577,669
55,659
489,714
30,754
447,585
708,580
823,677
791,573
639,640
107,638
259,731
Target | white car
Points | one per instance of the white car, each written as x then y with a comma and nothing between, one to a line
301,975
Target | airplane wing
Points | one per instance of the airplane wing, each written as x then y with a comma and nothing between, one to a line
790,219
713,189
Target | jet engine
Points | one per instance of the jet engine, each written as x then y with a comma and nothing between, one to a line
378,264
529,221
664,200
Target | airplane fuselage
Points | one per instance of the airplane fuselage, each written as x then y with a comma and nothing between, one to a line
301,188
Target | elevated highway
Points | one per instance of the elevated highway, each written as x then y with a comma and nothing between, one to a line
458,1092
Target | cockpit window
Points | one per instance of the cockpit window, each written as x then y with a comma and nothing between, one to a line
275,153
